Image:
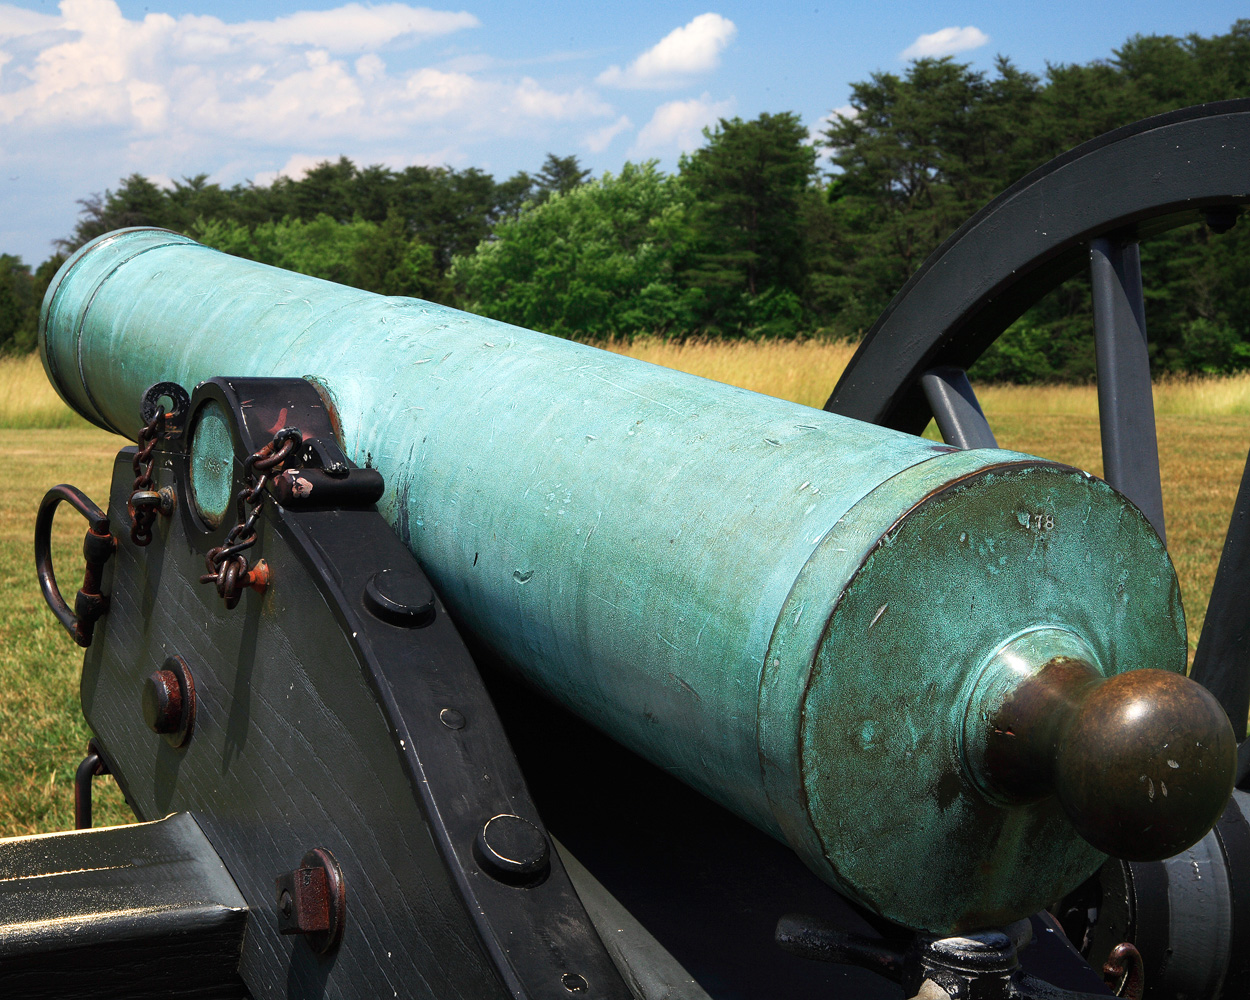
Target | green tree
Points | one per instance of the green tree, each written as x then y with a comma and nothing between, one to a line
747,187
16,293
558,175
21,295
138,202
919,154
391,263
379,258
596,261
924,150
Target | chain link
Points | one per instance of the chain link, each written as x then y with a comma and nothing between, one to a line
227,565
143,509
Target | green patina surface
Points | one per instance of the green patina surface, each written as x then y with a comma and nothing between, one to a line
884,693
641,543
212,463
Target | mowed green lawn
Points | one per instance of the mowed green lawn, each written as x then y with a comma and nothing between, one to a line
1204,432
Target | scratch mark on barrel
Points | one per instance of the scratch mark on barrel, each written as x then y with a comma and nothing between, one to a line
640,395
685,687
592,530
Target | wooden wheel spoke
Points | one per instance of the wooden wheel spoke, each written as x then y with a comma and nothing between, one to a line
1222,663
1126,415
955,408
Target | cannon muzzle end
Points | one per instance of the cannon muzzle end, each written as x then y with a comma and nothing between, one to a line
1142,762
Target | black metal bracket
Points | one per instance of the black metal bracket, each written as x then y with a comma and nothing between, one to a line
97,547
92,766
338,708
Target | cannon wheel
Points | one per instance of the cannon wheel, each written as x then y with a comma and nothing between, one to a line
1088,207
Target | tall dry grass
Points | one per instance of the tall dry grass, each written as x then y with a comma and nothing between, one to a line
27,399
1175,396
806,371
800,370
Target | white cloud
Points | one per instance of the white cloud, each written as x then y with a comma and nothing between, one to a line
600,139
18,21
946,42
355,27
88,95
682,53
370,67
534,101
678,125
198,79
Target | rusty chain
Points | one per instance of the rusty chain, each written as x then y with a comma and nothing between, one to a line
144,500
227,565
158,422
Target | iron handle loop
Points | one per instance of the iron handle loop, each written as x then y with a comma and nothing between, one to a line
98,546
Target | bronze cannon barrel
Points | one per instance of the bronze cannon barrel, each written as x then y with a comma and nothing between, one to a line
826,625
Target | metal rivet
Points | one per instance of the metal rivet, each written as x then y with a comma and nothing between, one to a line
400,597
574,983
513,850
451,718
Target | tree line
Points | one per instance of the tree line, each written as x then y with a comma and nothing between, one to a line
760,232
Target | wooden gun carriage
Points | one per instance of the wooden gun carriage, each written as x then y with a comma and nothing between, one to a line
439,658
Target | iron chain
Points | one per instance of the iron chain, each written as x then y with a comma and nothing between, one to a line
143,498
227,565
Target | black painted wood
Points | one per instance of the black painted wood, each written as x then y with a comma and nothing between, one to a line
125,912
318,725
1126,409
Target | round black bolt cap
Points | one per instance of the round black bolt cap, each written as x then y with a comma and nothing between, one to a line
451,718
513,850
162,702
400,597
574,983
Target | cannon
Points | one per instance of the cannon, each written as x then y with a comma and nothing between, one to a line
441,658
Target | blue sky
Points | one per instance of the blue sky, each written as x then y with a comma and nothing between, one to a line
93,90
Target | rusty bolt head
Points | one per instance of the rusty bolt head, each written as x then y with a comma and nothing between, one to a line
168,702
312,900
162,702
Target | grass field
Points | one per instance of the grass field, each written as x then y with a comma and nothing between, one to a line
1204,431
